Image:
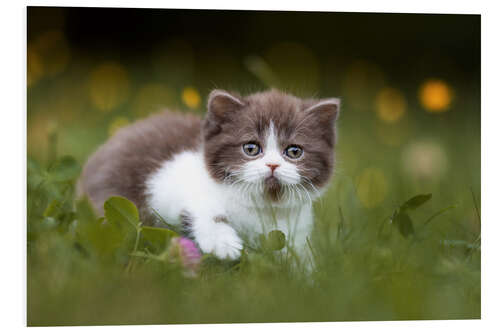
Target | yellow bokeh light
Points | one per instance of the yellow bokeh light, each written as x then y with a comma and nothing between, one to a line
34,67
53,51
372,187
435,96
116,124
47,55
152,97
108,86
390,105
191,97
38,129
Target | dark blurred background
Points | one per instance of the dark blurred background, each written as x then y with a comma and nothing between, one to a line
402,46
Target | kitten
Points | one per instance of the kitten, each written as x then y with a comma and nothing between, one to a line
252,165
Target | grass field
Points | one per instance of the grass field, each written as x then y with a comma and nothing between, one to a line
377,258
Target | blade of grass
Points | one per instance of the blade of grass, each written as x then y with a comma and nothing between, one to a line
437,214
476,208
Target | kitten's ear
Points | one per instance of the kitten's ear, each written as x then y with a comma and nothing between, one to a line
220,107
221,104
326,110
325,113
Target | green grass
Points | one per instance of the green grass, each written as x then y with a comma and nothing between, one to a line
376,258
80,274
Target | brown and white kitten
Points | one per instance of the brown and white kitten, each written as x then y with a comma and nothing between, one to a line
254,164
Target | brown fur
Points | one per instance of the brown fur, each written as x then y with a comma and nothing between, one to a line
122,165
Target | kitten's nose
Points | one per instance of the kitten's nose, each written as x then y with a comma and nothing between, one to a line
272,167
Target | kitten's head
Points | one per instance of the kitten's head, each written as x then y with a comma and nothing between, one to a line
270,144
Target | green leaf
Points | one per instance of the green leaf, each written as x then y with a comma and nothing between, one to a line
276,240
119,210
66,168
84,210
107,240
416,201
404,223
158,237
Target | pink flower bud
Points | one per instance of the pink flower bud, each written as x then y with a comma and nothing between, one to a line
186,252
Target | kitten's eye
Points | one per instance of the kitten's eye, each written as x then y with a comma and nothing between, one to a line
251,149
293,152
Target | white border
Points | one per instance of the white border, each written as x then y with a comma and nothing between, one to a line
13,197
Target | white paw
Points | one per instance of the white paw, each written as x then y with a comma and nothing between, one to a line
222,241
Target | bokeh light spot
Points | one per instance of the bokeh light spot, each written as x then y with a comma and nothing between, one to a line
37,134
34,67
53,51
390,105
425,160
116,124
435,96
372,187
191,97
108,86
153,97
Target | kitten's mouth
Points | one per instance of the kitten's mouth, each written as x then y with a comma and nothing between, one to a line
272,188
272,177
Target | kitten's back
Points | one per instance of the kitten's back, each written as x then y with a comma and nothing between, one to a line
122,165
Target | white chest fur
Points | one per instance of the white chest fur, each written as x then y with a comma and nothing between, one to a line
183,185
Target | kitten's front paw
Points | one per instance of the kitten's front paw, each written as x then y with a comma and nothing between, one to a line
222,241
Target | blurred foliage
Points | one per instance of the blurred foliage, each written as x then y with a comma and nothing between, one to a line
409,124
